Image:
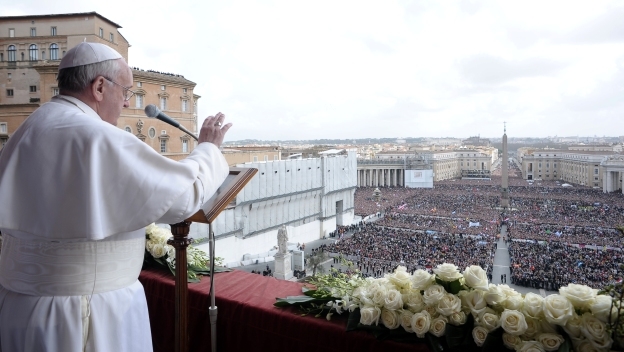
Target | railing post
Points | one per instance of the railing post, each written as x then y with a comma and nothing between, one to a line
180,241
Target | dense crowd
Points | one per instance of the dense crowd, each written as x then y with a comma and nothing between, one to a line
378,250
458,220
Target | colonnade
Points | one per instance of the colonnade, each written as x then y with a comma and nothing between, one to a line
375,177
611,181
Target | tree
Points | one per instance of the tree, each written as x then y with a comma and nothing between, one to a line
314,262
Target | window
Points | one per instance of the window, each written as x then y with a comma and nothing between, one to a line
255,158
184,90
163,103
3,128
3,142
185,146
55,91
33,32
9,92
11,32
184,105
53,31
266,158
111,37
32,52
54,52
163,87
274,157
101,33
128,129
139,100
163,145
139,84
595,171
33,89
151,132
11,52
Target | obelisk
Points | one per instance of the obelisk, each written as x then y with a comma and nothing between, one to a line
504,203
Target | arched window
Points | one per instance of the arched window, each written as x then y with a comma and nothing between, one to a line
32,52
54,52
12,53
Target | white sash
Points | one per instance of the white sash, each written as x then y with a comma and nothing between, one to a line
46,268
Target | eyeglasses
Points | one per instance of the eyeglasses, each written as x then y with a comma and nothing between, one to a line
127,92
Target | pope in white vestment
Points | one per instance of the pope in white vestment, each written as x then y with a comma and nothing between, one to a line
76,193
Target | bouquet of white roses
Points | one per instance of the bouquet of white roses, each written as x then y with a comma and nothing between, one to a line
158,251
457,311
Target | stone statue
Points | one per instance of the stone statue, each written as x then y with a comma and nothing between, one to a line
282,239
139,126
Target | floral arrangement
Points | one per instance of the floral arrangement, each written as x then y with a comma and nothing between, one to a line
158,252
455,310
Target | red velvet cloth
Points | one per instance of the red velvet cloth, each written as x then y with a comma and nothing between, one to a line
247,319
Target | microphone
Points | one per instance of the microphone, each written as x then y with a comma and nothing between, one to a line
152,111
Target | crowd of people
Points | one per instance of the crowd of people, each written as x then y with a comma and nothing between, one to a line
457,222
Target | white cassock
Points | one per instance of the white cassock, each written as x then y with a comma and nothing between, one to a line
75,196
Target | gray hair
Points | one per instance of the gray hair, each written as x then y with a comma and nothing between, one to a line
77,79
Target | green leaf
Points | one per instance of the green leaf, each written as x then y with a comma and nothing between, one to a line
455,335
354,320
454,287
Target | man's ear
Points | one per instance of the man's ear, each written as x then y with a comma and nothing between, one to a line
97,88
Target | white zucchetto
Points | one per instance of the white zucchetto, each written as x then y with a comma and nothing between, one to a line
87,53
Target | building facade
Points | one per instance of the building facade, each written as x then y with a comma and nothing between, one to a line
597,169
31,48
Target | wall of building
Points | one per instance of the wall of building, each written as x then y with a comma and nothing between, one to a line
294,193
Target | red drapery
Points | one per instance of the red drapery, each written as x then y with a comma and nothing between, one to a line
247,319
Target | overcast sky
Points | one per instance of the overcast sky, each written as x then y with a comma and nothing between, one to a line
360,69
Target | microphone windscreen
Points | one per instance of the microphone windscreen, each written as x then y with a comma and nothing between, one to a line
151,110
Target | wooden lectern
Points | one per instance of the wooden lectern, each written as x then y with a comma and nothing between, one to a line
233,184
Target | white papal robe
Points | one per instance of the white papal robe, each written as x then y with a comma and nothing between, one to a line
75,196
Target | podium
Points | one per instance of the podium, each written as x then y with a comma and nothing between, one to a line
225,195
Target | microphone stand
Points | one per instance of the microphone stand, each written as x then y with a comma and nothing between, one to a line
187,132
212,311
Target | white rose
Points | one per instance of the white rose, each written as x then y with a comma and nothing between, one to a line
508,291
378,294
533,328
580,296
448,305
421,323
476,277
495,296
530,346
406,320
394,300
511,341
602,344
421,280
474,300
369,315
601,307
433,294
551,342
170,251
489,319
390,318
401,278
592,328
533,305
438,326
557,309
433,313
479,334
573,326
158,250
149,229
585,346
513,322
413,300
447,272
458,318
361,294
513,302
